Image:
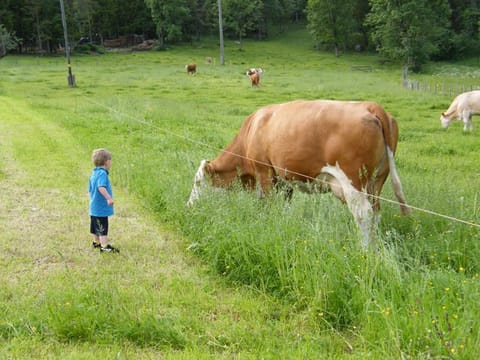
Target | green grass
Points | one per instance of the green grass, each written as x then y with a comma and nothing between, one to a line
233,277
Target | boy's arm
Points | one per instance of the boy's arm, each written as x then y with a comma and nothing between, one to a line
106,195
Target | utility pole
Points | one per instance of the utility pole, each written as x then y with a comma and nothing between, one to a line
71,77
220,29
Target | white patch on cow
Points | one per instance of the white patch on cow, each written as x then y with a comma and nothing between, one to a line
198,183
251,71
357,201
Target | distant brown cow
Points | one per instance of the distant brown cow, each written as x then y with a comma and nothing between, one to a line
255,78
345,147
191,68
254,74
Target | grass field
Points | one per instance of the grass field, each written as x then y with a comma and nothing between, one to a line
235,277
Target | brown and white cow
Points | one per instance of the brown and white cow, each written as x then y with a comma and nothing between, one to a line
345,147
191,68
462,108
254,74
255,79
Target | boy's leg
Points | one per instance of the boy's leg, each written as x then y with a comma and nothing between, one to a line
103,235
96,241
99,229
94,231
103,239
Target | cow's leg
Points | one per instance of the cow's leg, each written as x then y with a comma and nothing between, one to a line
281,185
470,122
357,201
265,180
467,121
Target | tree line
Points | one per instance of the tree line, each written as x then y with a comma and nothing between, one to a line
410,31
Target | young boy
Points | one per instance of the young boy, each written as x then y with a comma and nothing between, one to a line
101,200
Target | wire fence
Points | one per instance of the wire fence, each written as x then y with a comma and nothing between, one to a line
441,88
204,145
438,88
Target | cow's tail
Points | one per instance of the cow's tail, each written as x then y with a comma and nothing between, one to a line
390,135
358,203
396,184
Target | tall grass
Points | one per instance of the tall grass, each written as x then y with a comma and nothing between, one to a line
415,296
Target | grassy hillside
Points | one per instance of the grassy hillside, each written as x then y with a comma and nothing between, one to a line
234,277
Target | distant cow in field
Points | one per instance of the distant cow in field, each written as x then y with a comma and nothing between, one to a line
191,68
254,74
344,147
208,60
255,79
462,108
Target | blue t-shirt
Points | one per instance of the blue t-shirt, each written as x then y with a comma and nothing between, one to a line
98,203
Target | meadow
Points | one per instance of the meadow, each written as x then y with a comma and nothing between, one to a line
234,277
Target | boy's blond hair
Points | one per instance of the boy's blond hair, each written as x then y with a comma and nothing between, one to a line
100,156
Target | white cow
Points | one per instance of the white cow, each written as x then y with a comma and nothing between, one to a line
462,108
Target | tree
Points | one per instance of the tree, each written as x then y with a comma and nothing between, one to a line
465,21
297,8
8,41
331,22
114,18
45,24
411,31
242,16
274,12
170,17
84,10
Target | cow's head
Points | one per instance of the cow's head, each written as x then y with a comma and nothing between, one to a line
198,182
445,120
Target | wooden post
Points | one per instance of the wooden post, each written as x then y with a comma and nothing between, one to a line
71,77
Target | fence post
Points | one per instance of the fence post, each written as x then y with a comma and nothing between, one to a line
405,73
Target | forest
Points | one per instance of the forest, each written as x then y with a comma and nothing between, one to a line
410,31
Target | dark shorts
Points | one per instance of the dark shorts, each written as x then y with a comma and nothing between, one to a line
99,225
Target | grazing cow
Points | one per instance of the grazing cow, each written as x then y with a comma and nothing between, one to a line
255,79
254,74
191,68
462,108
208,60
322,145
